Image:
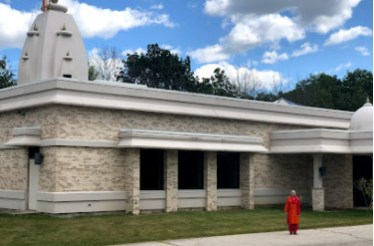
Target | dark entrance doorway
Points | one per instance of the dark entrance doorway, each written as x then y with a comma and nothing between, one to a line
362,168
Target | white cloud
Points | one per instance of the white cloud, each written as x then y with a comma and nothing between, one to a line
341,66
305,49
266,77
319,16
273,57
130,51
363,50
256,23
209,54
106,23
14,25
345,35
159,6
173,50
91,20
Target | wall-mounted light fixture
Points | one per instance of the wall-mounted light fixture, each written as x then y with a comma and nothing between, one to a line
21,112
38,158
322,171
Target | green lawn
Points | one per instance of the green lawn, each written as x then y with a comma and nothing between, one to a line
119,229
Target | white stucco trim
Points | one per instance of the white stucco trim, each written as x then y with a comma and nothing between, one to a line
229,197
79,202
191,198
152,199
13,199
361,142
321,141
79,143
26,136
121,96
5,146
136,138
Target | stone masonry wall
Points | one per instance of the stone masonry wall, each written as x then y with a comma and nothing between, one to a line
283,171
338,182
14,169
82,169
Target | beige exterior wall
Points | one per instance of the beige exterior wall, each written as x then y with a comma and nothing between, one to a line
14,169
338,182
82,169
283,171
46,117
104,169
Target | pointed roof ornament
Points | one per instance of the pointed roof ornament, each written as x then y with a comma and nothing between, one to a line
68,54
35,27
368,100
26,54
64,27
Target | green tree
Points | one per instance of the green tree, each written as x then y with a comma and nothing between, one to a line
221,85
159,68
6,75
92,73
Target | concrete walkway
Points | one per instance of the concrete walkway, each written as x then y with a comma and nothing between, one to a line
353,235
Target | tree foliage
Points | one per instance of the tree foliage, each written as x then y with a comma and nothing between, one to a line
326,91
158,68
6,75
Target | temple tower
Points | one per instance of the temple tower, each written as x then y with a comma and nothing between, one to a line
53,48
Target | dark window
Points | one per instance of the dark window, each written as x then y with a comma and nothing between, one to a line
67,76
227,170
191,170
151,169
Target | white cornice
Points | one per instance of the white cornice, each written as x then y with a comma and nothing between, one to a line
321,141
135,138
138,98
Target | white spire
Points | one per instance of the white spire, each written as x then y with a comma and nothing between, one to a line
54,48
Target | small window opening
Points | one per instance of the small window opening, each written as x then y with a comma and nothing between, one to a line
67,76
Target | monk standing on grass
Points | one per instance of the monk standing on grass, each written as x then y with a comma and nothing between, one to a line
292,210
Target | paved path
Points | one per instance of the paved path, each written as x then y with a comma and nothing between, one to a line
353,235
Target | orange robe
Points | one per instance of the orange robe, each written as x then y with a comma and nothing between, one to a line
293,209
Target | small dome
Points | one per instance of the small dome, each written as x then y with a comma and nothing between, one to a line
362,119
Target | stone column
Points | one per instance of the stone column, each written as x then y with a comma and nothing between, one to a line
247,181
210,180
318,192
171,180
132,180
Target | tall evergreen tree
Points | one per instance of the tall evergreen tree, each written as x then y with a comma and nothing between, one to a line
6,75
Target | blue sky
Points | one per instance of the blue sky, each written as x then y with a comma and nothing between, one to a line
274,40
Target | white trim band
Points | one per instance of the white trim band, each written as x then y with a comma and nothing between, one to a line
135,138
124,97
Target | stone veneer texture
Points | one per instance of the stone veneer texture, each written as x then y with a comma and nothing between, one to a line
318,199
82,169
171,180
283,171
247,180
210,180
132,179
338,182
14,169
46,117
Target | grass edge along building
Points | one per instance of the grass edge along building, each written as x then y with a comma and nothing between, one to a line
69,145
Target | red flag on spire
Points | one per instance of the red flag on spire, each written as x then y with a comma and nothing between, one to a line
45,5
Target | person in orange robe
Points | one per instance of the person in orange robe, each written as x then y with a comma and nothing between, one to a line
292,210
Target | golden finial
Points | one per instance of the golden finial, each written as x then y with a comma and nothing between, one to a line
54,1
367,99
64,27
68,54
35,27
26,54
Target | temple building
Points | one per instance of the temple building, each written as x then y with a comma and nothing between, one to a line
70,146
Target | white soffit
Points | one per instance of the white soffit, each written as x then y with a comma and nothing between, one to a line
26,136
135,138
321,141
138,98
